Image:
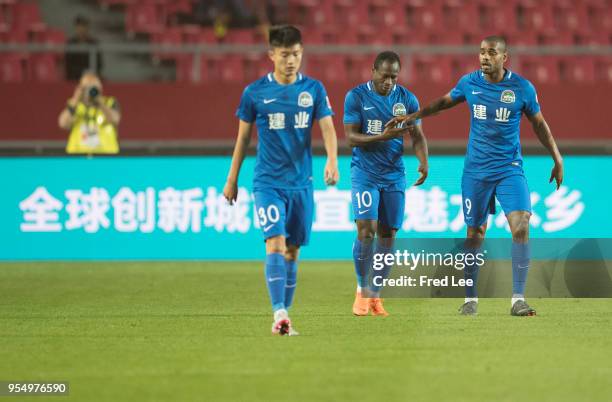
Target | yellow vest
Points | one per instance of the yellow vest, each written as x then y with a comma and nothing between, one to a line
91,133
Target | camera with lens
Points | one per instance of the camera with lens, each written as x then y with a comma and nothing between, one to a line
93,92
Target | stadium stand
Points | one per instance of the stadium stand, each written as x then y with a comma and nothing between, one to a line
342,38
344,22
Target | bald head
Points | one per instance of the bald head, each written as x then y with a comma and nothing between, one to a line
496,41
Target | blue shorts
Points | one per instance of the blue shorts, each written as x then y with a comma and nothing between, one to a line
285,213
379,202
479,196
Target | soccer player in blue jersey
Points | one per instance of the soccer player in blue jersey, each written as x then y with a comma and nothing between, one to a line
493,166
378,179
284,104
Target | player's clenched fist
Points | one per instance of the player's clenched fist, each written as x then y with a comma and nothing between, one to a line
230,191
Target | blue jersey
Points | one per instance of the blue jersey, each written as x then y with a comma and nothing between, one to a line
382,161
284,115
494,148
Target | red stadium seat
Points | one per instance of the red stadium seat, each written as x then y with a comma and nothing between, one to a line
387,14
25,17
245,36
172,36
51,35
499,17
461,16
577,69
565,38
540,69
424,15
571,16
44,67
603,69
256,65
310,13
462,65
359,67
536,16
143,18
11,68
522,38
230,68
375,35
351,13
430,68
327,68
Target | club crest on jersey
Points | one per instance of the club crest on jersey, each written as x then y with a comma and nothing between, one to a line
399,109
305,99
508,96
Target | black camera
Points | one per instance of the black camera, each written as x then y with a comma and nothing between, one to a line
93,92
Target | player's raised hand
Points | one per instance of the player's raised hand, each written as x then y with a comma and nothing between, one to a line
394,132
423,171
400,119
557,174
230,191
331,175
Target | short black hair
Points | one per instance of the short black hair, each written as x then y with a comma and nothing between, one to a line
387,56
284,36
81,20
500,40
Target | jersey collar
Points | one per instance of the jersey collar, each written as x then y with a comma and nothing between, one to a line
507,76
270,76
370,85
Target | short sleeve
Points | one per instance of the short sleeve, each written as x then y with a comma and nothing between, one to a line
352,113
413,107
246,109
458,92
530,99
322,105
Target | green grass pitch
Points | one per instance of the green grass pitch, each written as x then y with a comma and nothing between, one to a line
194,331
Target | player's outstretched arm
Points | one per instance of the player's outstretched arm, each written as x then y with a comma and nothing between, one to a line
542,131
440,104
328,131
357,139
230,191
419,145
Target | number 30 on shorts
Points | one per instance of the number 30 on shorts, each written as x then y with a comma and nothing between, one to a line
270,214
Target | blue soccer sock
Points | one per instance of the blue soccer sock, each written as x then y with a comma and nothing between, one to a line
382,273
471,272
362,257
276,278
520,268
291,268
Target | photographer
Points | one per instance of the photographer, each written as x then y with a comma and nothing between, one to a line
91,118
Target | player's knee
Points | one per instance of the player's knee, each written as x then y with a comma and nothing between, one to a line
366,230
476,233
520,231
292,253
276,245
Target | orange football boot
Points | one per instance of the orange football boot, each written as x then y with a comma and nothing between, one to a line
361,306
376,306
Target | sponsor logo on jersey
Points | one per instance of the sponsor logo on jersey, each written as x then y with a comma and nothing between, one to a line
399,109
305,99
508,96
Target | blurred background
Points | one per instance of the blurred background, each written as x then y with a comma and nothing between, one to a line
178,68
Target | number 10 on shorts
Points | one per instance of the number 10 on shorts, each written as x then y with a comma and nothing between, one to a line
364,199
